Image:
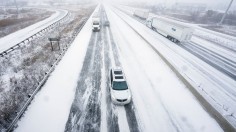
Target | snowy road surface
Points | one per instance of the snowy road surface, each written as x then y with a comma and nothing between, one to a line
213,85
224,40
18,36
218,56
76,96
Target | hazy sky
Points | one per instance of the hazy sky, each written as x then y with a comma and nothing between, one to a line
211,3
158,1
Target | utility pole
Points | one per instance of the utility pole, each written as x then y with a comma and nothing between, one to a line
221,21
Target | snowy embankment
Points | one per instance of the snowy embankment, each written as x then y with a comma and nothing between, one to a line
19,36
211,84
160,105
50,108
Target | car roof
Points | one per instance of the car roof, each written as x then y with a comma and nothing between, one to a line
118,74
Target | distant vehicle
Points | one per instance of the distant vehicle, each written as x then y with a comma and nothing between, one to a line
106,23
173,31
120,92
96,23
143,14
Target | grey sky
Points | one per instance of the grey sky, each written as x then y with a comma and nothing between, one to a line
219,4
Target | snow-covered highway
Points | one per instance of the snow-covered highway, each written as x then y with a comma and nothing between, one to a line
76,96
215,87
222,57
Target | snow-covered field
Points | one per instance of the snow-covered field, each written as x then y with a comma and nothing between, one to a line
19,36
10,22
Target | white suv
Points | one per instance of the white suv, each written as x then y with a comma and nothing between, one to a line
120,93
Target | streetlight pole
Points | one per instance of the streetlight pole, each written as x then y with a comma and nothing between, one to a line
221,21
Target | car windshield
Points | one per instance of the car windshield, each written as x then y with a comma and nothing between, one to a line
120,85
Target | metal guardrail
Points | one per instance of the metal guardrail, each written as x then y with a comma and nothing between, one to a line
17,45
40,84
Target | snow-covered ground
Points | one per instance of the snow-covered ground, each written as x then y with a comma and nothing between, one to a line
219,38
217,55
76,95
18,36
49,110
161,105
210,46
22,69
217,88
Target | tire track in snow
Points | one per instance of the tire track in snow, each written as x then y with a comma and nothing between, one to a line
215,60
92,118
111,116
112,119
85,111
129,108
172,121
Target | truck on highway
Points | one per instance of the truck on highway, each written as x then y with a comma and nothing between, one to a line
96,23
175,32
143,14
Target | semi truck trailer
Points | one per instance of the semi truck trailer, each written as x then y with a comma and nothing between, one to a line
175,32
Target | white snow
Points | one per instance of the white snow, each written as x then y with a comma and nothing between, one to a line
122,120
50,108
18,36
103,98
213,85
219,38
162,101
119,110
211,46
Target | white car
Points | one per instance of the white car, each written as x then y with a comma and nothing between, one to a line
120,92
